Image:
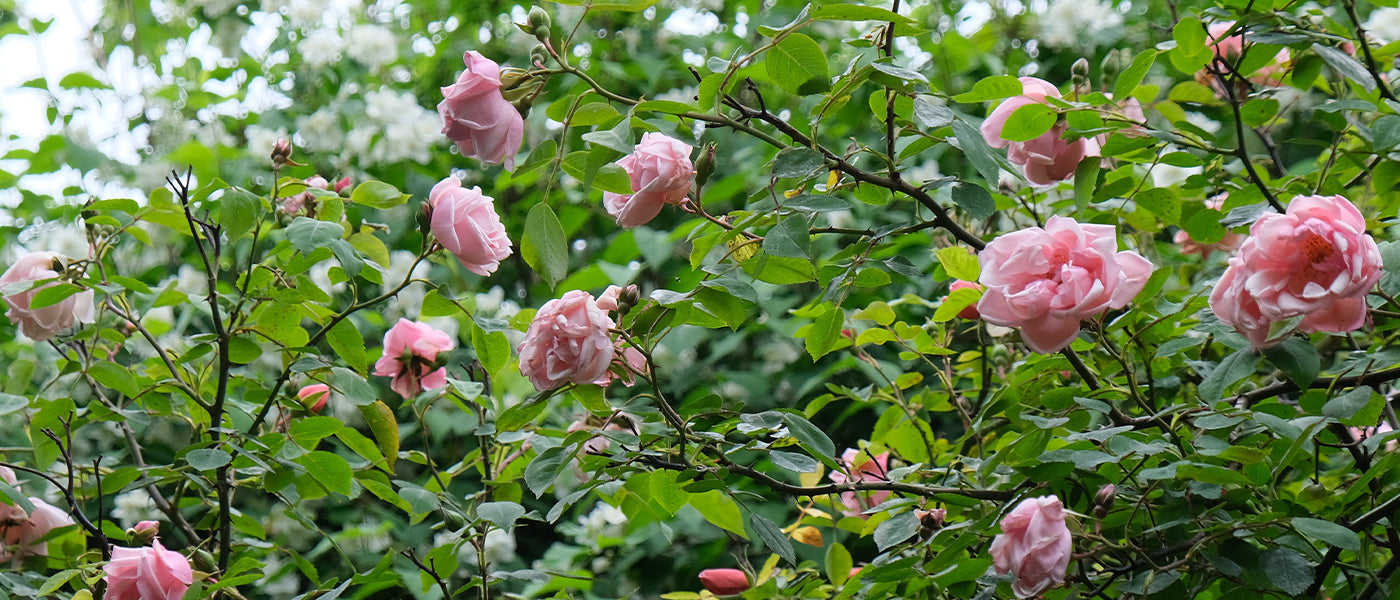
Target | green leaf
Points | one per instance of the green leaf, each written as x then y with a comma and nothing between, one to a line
79,80
720,510
773,537
1129,79
1385,132
1346,407
521,415
16,497
1298,359
378,194
348,344
239,211
543,245
780,270
310,234
1086,180
838,563
1346,66
51,294
501,514
956,301
1328,532
857,12
788,238
975,199
1235,367
591,397
896,529
619,138
611,5
1161,202
811,438
972,143
1029,122
930,114
824,331
1287,569
328,469
492,349
612,178
1259,111
116,377
363,446
798,64
959,263
797,163
309,431
384,427
207,459
792,461
352,386
1190,34
991,88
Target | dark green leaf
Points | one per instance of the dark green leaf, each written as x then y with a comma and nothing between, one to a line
895,530
1328,532
1298,359
543,245
792,461
1235,367
501,514
788,238
1347,66
330,470
1287,569
207,459
811,438
310,234
796,163
974,199
773,537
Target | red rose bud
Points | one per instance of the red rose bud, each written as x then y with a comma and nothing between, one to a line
724,582
281,152
342,184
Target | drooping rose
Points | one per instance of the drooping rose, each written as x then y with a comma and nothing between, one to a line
1315,261
1047,159
147,574
410,356
22,539
314,396
41,323
1034,546
861,468
568,341
1230,243
661,173
466,224
1046,281
724,582
478,118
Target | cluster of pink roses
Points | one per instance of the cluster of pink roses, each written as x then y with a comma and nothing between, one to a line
1309,269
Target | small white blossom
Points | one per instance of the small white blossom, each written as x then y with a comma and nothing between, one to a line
305,13
605,520
1077,23
321,130
261,139
322,47
1384,24
372,45
133,507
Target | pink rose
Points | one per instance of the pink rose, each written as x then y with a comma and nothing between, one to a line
42,323
1230,48
568,341
608,299
661,173
861,468
1230,243
724,582
147,574
466,224
410,356
1315,260
1046,281
478,118
1047,159
1034,546
10,514
314,396
970,312
20,539
342,184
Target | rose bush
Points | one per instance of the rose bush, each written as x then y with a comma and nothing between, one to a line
152,573
1046,159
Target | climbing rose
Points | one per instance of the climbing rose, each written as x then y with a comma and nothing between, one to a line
1034,546
410,356
1046,159
477,117
466,224
147,574
661,173
568,341
21,539
1046,281
1315,261
41,323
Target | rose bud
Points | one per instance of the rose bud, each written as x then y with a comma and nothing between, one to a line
724,582
314,396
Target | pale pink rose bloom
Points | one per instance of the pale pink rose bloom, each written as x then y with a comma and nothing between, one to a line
41,323
9,513
568,341
970,312
147,574
410,356
661,173
1046,281
1315,260
1046,159
466,224
1363,433
1034,545
478,118
314,396
1230,243
724,582
861,468
608,299
1229,48
318,182
21,539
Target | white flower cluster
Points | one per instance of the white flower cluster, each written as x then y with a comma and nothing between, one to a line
397,129
1077,23
1384,24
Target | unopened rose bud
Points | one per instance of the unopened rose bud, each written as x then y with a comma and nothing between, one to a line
281,152
931,520
1079,72
204,561
705,165
425,219
1111,65
538,55
538,18
342,184
143,532
314,396
627,298
1106,495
